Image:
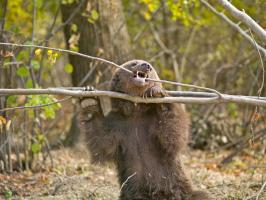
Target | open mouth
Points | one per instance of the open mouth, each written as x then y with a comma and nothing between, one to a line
140,78
140,74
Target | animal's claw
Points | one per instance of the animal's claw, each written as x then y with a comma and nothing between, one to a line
155,91
89,88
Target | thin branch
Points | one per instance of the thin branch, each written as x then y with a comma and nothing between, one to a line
261,190
245,18
68,21
65,51
111,63
235,26
32,74
186,85
88,75
224,98
262,66
125,182
35,107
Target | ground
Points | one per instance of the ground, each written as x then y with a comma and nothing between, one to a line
73,177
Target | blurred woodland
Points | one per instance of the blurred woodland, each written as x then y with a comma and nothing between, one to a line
185,40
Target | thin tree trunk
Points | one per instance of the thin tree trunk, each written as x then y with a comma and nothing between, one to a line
105,37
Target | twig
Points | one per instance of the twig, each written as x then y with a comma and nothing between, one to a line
125,182
111,63
65,51
262,65
245,18
166,50
242,144
71,17
32,74
252,121
235,26
88,75
186,85
36,106
261,190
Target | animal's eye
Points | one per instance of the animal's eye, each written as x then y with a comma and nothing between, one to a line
134,64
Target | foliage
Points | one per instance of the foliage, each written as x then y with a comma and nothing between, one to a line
8,194
48,112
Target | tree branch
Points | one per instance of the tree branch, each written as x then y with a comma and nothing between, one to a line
111,63
224,98
261,190
36,106
236,27
64,51
245,18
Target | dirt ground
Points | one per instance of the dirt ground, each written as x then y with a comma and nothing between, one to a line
73,177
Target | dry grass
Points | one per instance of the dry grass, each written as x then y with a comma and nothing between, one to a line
74,178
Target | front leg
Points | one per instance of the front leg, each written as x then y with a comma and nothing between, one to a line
101,140
172,128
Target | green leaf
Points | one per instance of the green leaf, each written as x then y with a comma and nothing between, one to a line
40,138
29,84
94,15
74,28
35,148
35,65
49,113
23,72
90,20
68,68
11,100
8,194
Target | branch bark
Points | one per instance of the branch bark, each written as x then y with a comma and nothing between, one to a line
245,18
223,98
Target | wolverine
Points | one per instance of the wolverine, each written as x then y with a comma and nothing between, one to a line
145,141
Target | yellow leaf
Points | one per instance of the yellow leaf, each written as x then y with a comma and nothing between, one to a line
38,52
2,119
147,16
56,55
49,52
8,124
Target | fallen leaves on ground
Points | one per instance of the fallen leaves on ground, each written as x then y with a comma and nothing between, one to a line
73,177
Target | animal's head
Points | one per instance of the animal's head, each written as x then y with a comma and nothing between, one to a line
134,83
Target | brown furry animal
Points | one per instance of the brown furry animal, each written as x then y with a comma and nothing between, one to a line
144,140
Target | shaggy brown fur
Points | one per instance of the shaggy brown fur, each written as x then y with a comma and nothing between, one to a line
144,140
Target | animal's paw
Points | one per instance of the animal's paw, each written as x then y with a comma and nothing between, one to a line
154,91
89,103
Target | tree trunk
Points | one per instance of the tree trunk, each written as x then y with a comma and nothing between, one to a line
101,31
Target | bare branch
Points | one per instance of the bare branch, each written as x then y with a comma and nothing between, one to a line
111,63
245,18
224,98
235,26
261,190
262,66
34,107
65,51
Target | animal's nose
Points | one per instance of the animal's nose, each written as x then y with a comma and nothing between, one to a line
146,66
